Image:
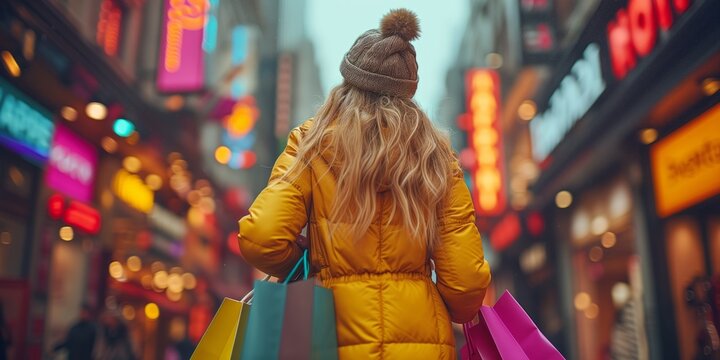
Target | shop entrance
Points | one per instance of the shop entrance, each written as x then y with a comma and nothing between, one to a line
693,256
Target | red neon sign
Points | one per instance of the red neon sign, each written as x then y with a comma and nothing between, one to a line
77,214
56,206
83,217
506,232
633,33
109,26
485,138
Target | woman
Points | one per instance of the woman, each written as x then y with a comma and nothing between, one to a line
384,199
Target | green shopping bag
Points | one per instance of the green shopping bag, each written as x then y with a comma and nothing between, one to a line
291,320
223,338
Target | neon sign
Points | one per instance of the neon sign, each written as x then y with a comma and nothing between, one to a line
506,232
25,127
182,61
109,26
211,28
634,31
133,191
577,92
486,141
71,168
77,214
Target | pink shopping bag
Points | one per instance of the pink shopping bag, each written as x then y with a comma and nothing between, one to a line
505,331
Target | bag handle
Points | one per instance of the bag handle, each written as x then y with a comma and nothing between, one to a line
468,341
249,296
306,268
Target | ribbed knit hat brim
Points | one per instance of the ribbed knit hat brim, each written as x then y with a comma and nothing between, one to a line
377,83
383,60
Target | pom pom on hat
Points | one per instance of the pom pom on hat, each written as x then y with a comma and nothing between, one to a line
400,22
384,61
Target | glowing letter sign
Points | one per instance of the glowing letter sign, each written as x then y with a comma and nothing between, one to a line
133,191
181,65
24,126
486,141
109,26
71,168
634,31
577,92
77,214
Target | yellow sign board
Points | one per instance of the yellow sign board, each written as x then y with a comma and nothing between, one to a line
133,191
686,164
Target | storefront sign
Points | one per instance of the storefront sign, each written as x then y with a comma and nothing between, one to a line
577,92
633,33
133,191
182,67
76,214
71,168
633,30
488,174
83,217
686,164
25,127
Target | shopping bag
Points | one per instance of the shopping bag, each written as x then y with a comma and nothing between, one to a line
291,320
223,338
505,331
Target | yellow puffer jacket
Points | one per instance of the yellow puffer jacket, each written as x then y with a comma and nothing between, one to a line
386,304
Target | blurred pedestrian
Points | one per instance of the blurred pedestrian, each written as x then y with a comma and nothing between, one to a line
5,335
113,339
382,194
80,339
185,348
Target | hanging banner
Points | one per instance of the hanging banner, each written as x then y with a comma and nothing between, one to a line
182,67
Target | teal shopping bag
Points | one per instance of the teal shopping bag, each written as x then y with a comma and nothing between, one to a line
291,320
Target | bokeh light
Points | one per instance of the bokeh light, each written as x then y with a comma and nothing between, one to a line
563,199
68,113
152,311
115,269
66,233
223,155
134,263
132,164
582,301
154,182
96,110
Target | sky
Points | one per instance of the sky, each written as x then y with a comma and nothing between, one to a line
335,25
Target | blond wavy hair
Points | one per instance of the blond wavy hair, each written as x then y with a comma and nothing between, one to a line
380,143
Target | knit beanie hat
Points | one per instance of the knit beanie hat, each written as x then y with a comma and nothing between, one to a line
383,61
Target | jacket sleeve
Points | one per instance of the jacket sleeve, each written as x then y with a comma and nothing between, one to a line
463,275
268,233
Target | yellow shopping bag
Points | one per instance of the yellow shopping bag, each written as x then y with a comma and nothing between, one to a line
223,339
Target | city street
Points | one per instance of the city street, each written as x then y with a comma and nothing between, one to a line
135,135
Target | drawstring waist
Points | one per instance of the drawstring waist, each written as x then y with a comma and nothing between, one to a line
328,279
